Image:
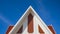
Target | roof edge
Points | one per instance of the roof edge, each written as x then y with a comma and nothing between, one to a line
21,18
24,15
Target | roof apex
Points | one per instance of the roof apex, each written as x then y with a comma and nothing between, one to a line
30,6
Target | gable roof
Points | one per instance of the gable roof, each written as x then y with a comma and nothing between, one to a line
22,18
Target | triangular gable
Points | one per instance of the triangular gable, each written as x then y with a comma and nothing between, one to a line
37,17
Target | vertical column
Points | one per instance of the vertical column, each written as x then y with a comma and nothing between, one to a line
30,23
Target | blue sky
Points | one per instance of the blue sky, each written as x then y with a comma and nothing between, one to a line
12,10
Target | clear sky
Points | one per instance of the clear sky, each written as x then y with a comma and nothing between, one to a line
12,10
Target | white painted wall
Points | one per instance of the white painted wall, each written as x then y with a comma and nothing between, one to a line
44,28
36,22
25,24
24,20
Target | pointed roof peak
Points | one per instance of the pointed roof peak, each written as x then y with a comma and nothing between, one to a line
27,12
30,6
30,9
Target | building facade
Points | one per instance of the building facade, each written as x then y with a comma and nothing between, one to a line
30,23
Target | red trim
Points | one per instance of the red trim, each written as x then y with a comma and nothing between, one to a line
20,30
30,23
40,30
9,29
51,29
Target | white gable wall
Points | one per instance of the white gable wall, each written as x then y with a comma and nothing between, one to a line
38,22
36,31
25,24
23,21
